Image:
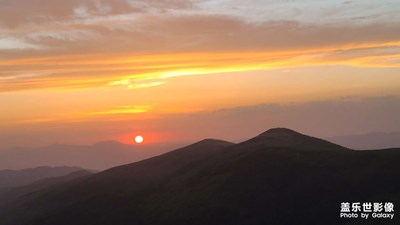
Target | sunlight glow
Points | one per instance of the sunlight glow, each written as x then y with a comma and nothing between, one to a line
139,139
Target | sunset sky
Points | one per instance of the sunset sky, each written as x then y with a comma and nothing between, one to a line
82,71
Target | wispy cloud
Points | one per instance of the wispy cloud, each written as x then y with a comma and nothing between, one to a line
146,85
21,76
129,109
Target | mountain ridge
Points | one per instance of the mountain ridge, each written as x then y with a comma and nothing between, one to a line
216,182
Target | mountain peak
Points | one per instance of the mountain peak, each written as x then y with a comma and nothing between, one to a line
279,132
287,138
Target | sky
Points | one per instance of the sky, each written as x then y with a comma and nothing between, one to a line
82,71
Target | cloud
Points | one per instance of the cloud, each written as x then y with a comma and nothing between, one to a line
15,13
92,43
193,33
352,115
140,71
128,109
146,85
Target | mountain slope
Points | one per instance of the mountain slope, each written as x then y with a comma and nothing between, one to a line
112,185
168,163
278,177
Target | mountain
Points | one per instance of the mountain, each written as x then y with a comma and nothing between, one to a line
169,163
278,177
8,195
374,140
99,156
283,137
13,178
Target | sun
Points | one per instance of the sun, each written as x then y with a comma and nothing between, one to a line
139,139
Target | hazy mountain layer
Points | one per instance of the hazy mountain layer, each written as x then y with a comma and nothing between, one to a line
12,178
375,140
100,156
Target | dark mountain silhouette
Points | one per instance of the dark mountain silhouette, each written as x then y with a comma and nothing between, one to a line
13,178
279,177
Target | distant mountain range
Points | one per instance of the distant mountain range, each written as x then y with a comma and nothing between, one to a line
374,140
278,177
14,178
107,154
99,156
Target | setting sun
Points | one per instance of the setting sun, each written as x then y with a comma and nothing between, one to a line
139,139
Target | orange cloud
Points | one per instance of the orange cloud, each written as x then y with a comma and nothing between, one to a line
143,71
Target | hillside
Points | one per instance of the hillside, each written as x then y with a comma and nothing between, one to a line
9,195
279,177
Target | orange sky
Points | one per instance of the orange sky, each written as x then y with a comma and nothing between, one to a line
82,71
